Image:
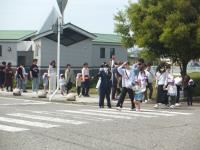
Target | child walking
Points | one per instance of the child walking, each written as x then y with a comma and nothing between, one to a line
172,93
189,86
62,84
141,83
139,94
78,84
45,82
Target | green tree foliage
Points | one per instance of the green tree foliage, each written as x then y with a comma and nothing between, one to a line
169,28
149,57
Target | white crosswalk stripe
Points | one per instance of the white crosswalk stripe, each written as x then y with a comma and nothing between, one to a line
44,118
24,104
27,123
167,112
95,114
141,113
115,112
11,129
76,117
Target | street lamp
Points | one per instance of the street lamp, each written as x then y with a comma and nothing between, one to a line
62,5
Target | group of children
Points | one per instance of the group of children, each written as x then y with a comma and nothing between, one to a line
137,79
62,83
169,87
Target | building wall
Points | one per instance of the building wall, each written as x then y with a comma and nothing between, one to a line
24,45
75,54
37,46
9,56
120,53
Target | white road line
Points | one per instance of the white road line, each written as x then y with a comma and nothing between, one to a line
109,111
44,118
161,111
18,99
170,112
27,123
24,104
11,129
147,113
94,114
76,116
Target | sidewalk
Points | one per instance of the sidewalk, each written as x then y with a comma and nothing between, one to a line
93,99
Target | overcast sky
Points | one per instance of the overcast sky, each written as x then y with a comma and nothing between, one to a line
92,15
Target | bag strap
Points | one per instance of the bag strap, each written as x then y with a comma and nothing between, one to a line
126,74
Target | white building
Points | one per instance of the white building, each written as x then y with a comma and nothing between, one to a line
16,47
77,46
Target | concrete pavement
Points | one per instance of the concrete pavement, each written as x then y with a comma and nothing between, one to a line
93,99
37,125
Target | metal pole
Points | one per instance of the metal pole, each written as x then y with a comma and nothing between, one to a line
58,59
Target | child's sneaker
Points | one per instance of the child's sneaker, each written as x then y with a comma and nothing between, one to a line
118,108
163,106
177,104
156,106
172,106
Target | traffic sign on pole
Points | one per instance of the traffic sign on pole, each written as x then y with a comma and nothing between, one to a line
62,5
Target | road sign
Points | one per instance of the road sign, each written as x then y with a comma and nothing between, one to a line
62,5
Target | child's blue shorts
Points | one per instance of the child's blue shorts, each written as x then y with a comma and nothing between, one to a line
138,96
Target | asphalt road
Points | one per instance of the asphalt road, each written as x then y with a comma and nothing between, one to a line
37,125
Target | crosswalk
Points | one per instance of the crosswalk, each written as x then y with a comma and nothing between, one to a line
26,120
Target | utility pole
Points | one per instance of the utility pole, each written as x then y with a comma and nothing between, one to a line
60,21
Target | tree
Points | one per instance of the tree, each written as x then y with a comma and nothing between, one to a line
167,28
149,56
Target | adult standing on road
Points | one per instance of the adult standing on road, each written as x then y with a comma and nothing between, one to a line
86,80
150,77
161,83
9,77
114,72
2,75
69,78
25,74
105,86
52,76
20,77
128,80
34,75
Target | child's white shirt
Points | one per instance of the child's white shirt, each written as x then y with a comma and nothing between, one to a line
150,76
142,78
78,81
172,90
62,81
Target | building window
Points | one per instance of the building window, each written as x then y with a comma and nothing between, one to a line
112,52
102,52
0,50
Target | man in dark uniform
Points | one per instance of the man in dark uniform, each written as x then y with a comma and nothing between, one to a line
105,86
